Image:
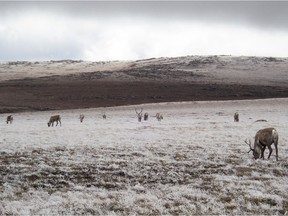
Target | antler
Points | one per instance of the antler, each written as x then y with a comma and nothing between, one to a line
249,144
139,112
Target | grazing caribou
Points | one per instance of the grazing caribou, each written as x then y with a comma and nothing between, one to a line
159,116
236,117
9,119
264,138
139,114
146,116
104,116
81,117
53,119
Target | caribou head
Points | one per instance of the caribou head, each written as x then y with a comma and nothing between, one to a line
255,151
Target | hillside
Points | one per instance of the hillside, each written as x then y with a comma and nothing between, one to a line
69,84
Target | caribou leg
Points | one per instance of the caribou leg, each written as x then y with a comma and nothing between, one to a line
276,148
263,147
270,151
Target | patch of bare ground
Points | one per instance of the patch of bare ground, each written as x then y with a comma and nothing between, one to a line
55,93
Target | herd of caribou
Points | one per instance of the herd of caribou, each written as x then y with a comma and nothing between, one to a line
263,138
158,116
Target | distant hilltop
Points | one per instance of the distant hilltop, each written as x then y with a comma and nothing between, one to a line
198,57
216,68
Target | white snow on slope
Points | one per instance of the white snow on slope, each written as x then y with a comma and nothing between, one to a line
194,161
216,69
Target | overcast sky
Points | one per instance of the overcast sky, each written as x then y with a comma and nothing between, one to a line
129,30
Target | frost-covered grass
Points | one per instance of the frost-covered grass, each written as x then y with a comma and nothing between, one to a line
194,161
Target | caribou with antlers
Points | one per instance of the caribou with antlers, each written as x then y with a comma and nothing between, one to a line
139,114
53,119
264,138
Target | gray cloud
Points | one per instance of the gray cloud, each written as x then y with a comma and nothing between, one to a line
96,30
262,14
38,51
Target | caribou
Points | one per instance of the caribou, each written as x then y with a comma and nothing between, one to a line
159,116
236,117
139,114
81,117
264,138
9,119
55,118
146,116
104,116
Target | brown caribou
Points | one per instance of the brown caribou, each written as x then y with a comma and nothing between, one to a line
146,116
55,118
104,116
159,116
81,117
139,114
264,138
236,117
9,119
